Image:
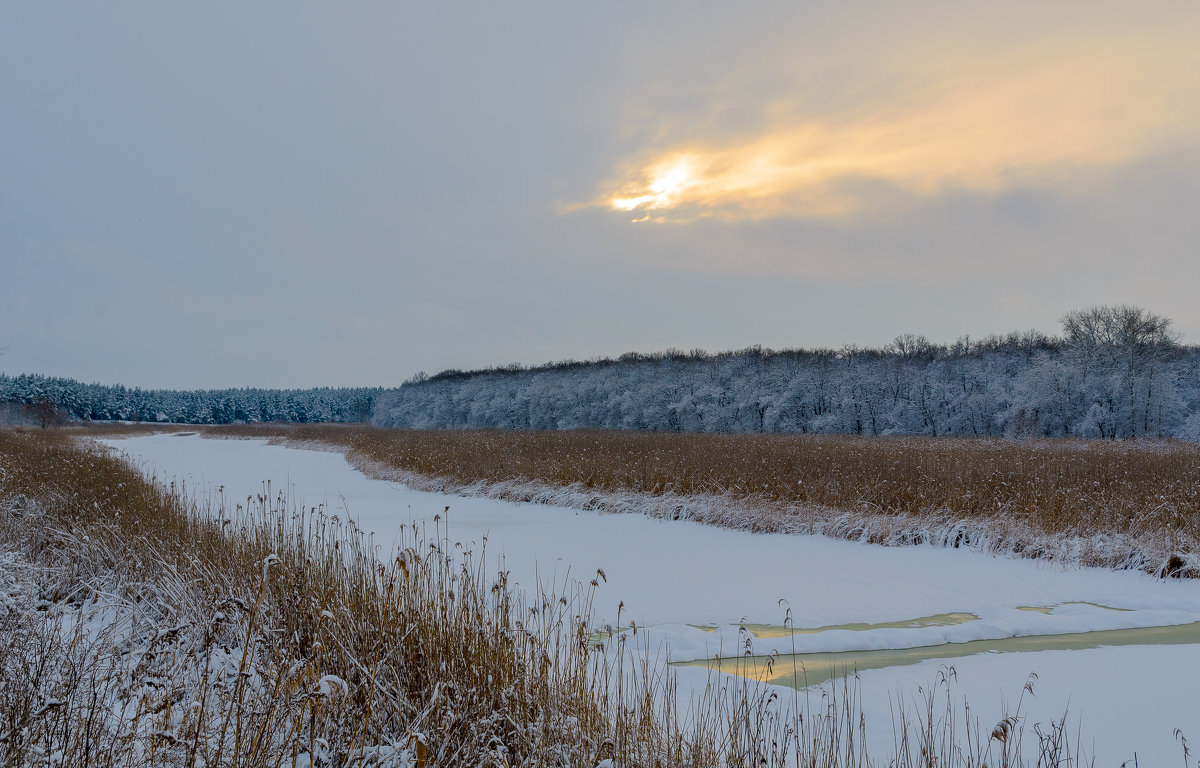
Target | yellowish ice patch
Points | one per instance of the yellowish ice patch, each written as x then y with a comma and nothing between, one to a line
808,669
767,631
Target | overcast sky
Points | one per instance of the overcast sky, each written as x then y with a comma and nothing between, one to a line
302,194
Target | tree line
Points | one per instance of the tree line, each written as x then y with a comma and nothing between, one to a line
45,400
1114,372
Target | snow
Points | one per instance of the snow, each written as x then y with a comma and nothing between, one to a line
1119,699
674,577
328,684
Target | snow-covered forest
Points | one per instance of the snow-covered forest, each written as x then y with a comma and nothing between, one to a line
97,402
1115,372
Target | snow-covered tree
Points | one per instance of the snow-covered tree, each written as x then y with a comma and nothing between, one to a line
1116,372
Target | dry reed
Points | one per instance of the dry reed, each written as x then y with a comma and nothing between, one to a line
138,628
1128,504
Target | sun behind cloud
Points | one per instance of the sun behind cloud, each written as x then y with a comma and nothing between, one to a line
665,183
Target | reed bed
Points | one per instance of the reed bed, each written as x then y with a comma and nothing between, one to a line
139,628
1061,485
1121,504
152,631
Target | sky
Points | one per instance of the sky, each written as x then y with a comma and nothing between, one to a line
301,194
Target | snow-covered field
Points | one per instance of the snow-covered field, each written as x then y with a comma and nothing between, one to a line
692,586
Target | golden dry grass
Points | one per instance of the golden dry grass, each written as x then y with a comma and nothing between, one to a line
1052,487
430,648
159,632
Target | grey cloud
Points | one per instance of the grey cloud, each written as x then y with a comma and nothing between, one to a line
293,195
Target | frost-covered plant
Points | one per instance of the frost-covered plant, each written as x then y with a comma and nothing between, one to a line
1116,504
138,628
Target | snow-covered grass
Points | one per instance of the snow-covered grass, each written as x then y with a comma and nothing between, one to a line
330,651
672,575
140,629
1123,504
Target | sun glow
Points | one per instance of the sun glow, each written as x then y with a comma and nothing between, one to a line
976,120
668,180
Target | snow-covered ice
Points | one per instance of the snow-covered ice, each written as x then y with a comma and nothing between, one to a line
680,580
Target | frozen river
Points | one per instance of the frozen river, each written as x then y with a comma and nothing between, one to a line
693,586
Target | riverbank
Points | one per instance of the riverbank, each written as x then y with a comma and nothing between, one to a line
663,576
143,627
1127,505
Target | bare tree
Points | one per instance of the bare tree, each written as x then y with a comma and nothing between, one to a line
1120,326
44,412
1122,350
909,345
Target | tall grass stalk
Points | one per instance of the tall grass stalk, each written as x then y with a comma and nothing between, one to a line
139,627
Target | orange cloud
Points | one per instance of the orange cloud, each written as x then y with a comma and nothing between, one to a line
1041,110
